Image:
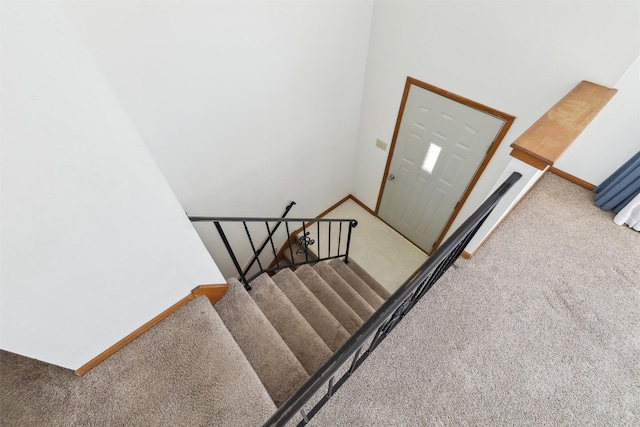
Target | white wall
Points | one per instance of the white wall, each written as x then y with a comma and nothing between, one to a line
244,105
94,243
613,136
530,176
518,57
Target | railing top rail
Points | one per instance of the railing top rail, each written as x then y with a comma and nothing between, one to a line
272,219
299,398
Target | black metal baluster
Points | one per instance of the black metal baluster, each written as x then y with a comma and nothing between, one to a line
252,246
318,227
286,224
339,237
352,225
354,361
305,419
329,243
273,248
330,389
376,337
233,255
424,287
386,327
304,237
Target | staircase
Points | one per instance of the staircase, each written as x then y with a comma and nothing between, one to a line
236,363
230,364
288,325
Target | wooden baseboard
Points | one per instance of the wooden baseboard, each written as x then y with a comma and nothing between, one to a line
213,292
352,197
466,255
362,205
574,179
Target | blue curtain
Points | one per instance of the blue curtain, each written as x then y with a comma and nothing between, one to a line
621,187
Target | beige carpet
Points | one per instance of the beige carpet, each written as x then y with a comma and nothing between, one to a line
172,375
381,251
540,328
276,366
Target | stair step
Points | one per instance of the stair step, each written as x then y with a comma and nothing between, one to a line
277,367
342,288
357,283
186,370
348,318
318,316
301,338
369,280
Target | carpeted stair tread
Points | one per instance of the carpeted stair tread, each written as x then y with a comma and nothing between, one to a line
357,283
301,338
318,316
369,280
342,288
348,318
187,370
277,367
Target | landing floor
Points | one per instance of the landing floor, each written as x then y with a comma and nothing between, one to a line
380,250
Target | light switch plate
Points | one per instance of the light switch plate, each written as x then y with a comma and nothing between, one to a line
381,145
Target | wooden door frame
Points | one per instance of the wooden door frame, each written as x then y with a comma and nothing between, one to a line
508,121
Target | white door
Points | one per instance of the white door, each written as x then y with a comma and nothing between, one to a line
439,146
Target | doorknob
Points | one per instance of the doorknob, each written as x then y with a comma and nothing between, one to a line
391,177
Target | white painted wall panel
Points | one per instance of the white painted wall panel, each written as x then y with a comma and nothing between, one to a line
518,57
530,176
94,243
244,105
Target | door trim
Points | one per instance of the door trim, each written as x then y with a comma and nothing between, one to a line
508,121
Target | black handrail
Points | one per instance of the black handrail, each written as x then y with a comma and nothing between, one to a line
387,316
340,252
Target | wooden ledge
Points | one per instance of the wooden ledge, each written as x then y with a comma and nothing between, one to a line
530,159
213,292
543,143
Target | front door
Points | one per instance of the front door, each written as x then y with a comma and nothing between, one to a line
438,148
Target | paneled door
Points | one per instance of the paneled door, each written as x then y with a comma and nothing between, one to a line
438,148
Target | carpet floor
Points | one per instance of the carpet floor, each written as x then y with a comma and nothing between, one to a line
540,327
381,251
175,374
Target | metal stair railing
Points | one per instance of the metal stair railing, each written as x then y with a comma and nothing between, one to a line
365,340
332,249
